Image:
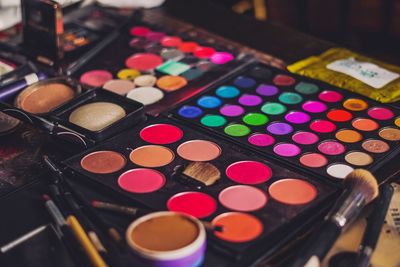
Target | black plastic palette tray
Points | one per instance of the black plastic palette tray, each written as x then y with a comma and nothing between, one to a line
265,77
113,57
280,221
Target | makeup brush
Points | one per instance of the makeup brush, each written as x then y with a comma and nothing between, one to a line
360,188
374,226
199,174
126,210
212,228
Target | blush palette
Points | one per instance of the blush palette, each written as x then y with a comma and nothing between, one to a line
299,121
158,67
255,200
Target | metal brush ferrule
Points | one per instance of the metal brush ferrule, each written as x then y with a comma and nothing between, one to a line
349,210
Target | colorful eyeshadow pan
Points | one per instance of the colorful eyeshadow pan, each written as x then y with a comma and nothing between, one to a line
283,80
250,100
293,191
213,121
331,148
151,156
231,110
141,180
390,134
358,158
348,136
244,82
330,96
305,138
314,106
261,140
139,31
203,52
290,98
121,87
255,119
188,47
242,198
227,91
171,83
273,108
96,78
171,41
146,95
197,204
221,58
279,128
267,90
397,122
143,61
103,162
313,160
380,113
322,126
365,124
161,134
173,68
375,146
339,170
306,88
209,102
128,74
238,227
355,104
237,130
190,112
297,117
287,150
248,172
199,150
339,115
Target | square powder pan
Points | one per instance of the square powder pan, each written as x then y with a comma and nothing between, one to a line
281,222
133,109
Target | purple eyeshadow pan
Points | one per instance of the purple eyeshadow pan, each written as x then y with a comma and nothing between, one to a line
267,90
287,150
279,128
297,117
250,100
259,139
231,110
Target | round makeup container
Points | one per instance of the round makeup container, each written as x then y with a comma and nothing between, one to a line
166,239
44,96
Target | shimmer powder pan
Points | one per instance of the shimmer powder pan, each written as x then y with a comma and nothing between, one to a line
103,162
42,97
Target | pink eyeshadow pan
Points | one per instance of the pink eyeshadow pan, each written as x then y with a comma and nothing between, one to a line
242,198
330,96
322,126
314,106
331,148
305,138
313,160
380,113
287,150
260,139
141,180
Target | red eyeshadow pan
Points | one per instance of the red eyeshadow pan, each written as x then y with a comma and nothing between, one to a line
283,80
141,180
249,172
171,41
204,52
139,31
330,96
188,47
197,204
380,113
96,78
143,61
322,126
161,134
339,115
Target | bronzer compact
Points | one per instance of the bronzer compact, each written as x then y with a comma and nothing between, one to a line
302,122
164,165
59,106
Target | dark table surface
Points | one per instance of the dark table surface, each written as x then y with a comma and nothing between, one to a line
23,210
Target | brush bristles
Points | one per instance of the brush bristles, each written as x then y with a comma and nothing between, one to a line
203,172
365,183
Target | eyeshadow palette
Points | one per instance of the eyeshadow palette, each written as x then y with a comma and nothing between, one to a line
302,122
158,67
256,199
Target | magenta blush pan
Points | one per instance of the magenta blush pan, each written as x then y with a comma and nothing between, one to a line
248,172
141,180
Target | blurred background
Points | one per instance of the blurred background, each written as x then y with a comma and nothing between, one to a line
371,27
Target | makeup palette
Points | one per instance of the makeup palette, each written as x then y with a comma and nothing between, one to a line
158,67
299,121
59,106
255,200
